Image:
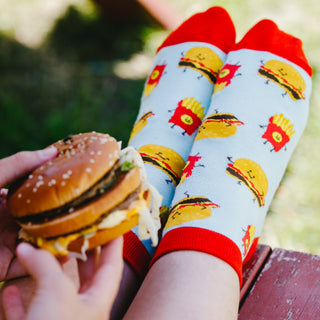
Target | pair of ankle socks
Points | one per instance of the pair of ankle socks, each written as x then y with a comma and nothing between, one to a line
175,100
257,114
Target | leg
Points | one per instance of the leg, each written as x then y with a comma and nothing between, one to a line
212,286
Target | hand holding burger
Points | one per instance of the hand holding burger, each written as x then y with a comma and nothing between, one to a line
12,168
57,296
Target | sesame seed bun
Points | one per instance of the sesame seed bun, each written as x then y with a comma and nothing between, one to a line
82,160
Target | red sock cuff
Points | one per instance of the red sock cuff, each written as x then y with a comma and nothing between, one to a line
213,26
135,254
266,36
203,240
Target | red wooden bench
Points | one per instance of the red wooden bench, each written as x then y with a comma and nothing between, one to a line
280,284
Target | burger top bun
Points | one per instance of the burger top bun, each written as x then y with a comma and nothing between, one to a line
46,187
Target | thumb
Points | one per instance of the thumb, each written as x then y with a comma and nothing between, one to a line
19,164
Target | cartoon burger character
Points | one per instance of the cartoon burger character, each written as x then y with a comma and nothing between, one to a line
166,159
218,125
286,76
188,115
188,209
141,123
253,177
153,79
279,131
204,60
225,76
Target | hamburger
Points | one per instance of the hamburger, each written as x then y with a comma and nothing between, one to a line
91,193
188,209
165,159
253,177
286,76
204,60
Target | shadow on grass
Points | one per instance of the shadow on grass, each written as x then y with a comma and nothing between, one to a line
67,86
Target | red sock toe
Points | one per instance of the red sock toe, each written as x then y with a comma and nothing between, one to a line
213,26
266,36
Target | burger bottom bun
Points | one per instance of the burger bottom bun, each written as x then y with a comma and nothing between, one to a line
104,236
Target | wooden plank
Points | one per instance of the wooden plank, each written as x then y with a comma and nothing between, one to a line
288,287
252,268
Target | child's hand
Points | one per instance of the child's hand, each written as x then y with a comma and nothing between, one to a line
57,296
11,168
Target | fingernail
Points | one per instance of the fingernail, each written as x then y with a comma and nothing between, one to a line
24,249
48,153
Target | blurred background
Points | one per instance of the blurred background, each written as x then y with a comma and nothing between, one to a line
69,66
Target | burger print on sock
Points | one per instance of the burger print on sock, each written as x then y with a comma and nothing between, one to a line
285,76
140,124
203,60
252,176
219,125
165,159
279,132
188,115
189,209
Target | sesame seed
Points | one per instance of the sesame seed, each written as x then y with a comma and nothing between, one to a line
28,185
99,153
65,176
34,190
30,176
69,172
28,201
40,177
19,195
39,183
110,163
92,153
63,183
71,210
92,161
103,140
88,169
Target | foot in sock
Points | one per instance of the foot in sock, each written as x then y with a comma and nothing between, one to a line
175,99
257,114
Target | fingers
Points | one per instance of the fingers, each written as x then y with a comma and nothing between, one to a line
17,165
39,264
15,270
106,280
12,303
